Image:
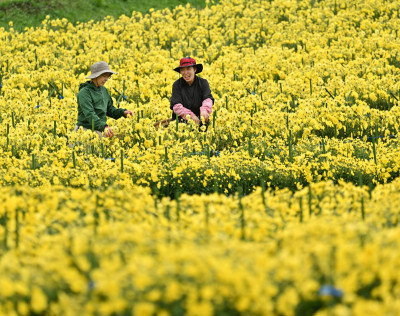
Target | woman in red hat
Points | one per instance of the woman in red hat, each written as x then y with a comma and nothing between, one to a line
191,95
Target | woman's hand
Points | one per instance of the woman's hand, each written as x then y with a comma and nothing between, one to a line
126,113
195,118
205,114
108,132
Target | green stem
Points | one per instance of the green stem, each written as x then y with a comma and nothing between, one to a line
214,116
293,101
375,142
374,149
287,117
249,145
290,147
330,94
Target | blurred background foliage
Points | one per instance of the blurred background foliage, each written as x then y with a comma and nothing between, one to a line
27,13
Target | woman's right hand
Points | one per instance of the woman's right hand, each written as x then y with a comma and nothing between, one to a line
108,132
195,118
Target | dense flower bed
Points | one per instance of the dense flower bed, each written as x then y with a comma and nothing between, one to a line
286,205
72,251
294,93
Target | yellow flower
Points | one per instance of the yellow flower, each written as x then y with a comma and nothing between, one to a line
144,308
38,300
209,172
148,143
6,287
23,308
204,308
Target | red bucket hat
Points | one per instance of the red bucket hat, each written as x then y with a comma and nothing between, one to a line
189,62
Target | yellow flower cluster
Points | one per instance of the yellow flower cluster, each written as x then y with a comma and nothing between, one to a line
119,251
285,76
286,205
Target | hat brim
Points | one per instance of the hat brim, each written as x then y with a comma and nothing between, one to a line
97,74
199,68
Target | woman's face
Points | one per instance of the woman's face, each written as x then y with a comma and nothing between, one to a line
188,74
102,79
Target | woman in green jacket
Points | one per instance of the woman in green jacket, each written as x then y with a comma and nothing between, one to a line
95,103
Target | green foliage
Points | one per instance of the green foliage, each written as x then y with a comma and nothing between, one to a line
27,13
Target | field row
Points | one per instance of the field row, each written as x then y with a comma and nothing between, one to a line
328,248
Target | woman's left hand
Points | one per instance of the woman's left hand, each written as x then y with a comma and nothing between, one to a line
126,113
205,114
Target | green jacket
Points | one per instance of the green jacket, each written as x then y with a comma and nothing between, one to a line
95,103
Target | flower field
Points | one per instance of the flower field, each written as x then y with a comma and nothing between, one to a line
287,205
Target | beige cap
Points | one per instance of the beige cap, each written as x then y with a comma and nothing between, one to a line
100,68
